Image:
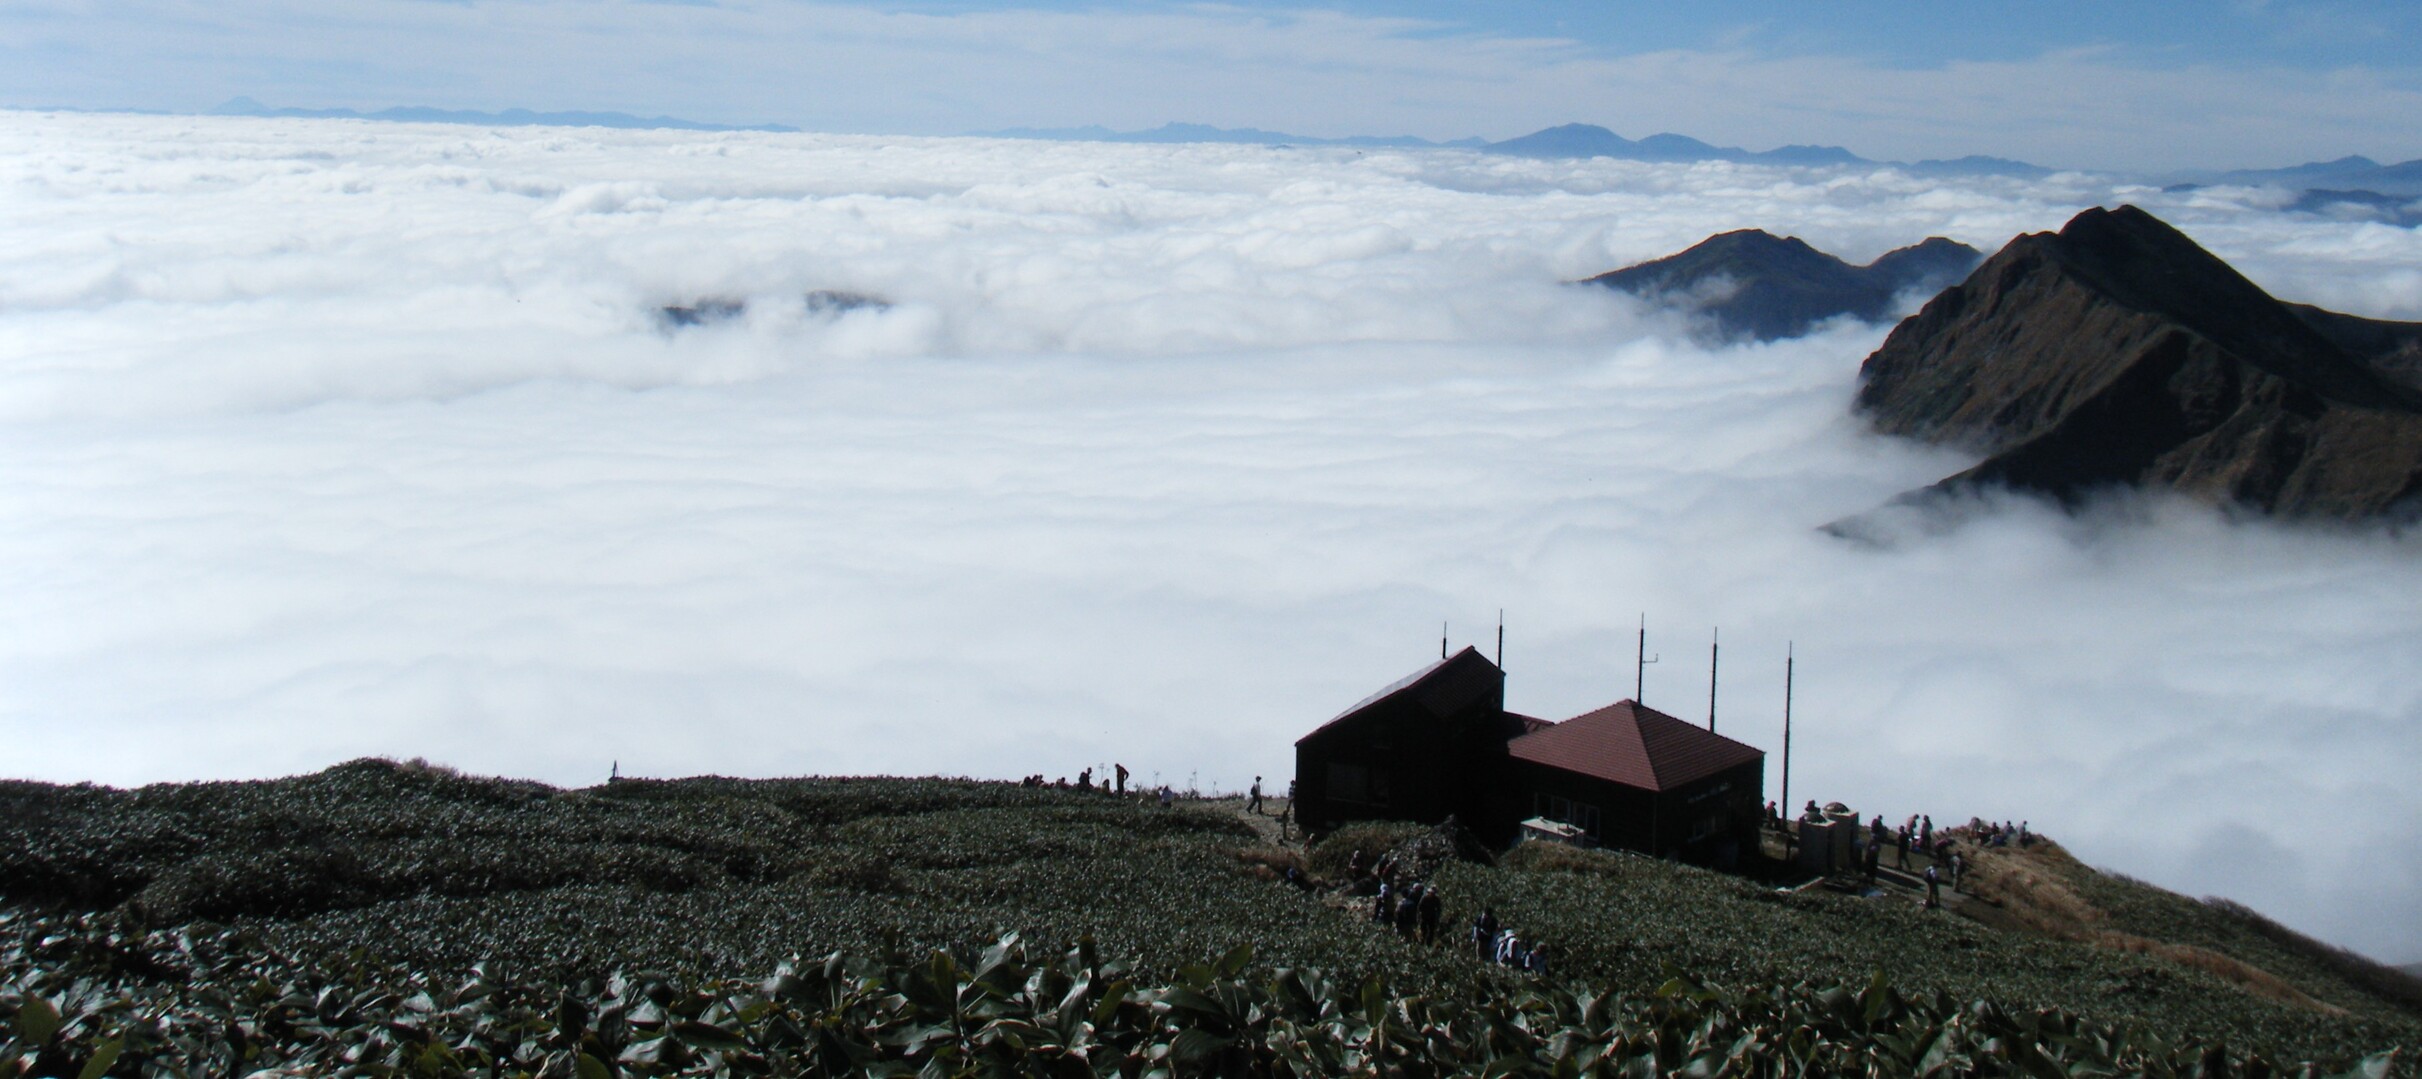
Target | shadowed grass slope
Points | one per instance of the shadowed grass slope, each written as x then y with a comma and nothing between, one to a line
717,878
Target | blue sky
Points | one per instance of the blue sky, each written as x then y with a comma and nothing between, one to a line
2152,85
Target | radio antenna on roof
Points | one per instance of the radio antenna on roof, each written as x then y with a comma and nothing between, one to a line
1640,667
1713,638
1786,808
1501,639
1442,640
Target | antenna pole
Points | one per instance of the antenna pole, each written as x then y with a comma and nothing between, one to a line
1640,665
1713,639
1787,660
1442,640
1500,638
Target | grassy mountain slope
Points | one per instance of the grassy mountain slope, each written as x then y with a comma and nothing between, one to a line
709,878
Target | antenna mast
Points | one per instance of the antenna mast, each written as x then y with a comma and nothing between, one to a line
1442,640
1713,637
1501,638
1640,666
1786,809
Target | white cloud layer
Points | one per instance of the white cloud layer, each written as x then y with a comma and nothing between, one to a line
329,439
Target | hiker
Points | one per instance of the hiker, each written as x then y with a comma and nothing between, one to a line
2024,837
1084,780
1408,909
1934,889
1875,860
1433,911
1122,777
1536,961
1957,863
1506,945
1812,813
1168,798
1256,803
1354,865
1901,845
1379,904
1925,832
1484,932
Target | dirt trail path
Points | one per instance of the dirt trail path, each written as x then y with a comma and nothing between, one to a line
1265,823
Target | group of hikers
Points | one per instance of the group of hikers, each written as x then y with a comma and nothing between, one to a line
1286,813
1117,784
1946,862
1084,781
1416,910
1498,944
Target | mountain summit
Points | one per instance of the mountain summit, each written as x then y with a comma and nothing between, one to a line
1754,284
2117,351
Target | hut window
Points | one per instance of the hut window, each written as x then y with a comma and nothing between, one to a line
1581,815
1353,783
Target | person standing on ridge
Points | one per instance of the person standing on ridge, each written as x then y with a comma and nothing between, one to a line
1122,777
1256,804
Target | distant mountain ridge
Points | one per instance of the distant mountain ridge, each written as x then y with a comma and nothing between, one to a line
1566,140
2117,352
1188,133
1590,140
2349,180
1755,285
2353,174
245,106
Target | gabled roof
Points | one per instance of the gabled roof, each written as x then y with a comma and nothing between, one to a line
1419,683
1635,745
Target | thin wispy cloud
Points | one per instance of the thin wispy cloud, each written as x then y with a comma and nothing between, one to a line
2087,103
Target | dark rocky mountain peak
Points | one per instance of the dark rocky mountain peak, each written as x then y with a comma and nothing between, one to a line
1933,259
2117,351
1754,284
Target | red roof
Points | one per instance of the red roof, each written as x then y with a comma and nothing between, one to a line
1635,745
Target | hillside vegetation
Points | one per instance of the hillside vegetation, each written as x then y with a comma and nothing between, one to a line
426,907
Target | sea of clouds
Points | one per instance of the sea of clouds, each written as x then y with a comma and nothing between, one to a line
328,438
